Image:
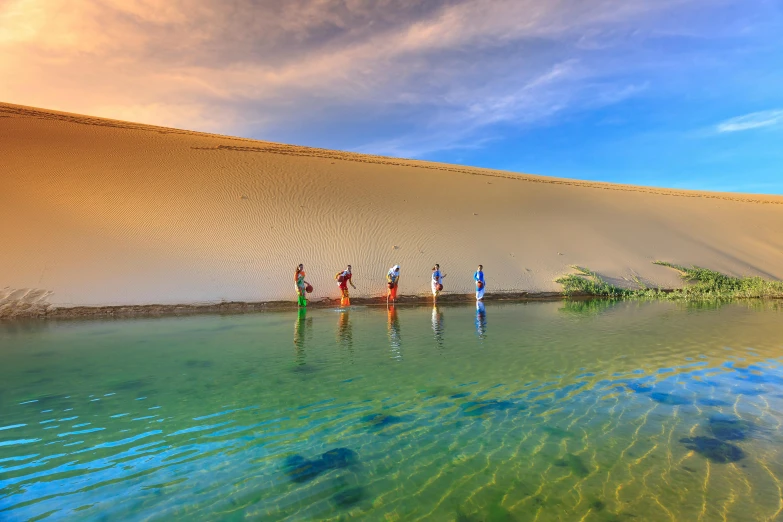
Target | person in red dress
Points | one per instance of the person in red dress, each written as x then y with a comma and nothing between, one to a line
343,280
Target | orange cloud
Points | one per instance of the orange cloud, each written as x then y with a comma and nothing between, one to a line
236,65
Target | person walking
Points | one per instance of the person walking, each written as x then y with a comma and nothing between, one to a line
302,286
392,282
478,277
343,279
437,281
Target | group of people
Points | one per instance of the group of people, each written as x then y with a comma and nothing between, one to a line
345,277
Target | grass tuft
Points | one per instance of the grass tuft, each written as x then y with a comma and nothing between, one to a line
701,284
587,282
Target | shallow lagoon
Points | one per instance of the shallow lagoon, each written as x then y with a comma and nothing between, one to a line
545,411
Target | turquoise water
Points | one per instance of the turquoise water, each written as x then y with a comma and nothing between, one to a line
546,411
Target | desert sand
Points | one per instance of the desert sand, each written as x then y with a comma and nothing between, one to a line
98,212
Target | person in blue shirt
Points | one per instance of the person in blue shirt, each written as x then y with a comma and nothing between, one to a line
478,277
437,281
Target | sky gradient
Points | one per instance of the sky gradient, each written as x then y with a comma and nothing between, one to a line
676,93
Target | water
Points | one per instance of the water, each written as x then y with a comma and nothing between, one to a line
587,411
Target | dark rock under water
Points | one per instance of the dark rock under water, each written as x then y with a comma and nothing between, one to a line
475,408
574,463
301,469
339,458
558,433
713,449
639,387
669,398
726,427
381,420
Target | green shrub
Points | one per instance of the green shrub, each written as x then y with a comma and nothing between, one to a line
700,284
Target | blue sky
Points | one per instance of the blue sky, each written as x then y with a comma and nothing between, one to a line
675,93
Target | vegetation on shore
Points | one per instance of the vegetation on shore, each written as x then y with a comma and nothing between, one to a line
700,284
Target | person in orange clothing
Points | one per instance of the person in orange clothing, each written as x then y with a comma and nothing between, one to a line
392,282
343,279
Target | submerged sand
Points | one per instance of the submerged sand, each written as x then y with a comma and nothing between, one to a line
98,212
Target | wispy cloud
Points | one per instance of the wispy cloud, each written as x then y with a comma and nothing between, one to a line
421,76
754,120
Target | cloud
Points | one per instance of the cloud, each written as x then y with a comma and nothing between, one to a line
417,76
754,120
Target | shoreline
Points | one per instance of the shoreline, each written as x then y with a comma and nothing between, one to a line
242,307
49,312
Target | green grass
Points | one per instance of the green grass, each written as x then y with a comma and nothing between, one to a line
590,283
700,284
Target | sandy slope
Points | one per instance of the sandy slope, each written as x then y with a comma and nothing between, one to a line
100,212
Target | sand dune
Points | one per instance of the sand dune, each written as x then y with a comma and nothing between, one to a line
99,212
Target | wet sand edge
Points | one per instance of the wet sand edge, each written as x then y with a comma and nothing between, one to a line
240,307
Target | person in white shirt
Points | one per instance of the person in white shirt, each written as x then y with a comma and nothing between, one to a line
392,282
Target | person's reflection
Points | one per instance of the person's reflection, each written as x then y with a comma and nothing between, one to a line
437,325
394,334
481,320
344,331
301,326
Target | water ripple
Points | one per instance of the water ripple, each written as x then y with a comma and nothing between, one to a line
647,412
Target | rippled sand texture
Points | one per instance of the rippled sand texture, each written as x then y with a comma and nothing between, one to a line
101,212
533,412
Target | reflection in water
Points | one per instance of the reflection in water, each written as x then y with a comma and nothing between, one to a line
589,307
437,325
11,326
394,333
481,320
301,327
345,331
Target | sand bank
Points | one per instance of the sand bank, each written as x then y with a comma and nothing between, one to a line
98,212
49,311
